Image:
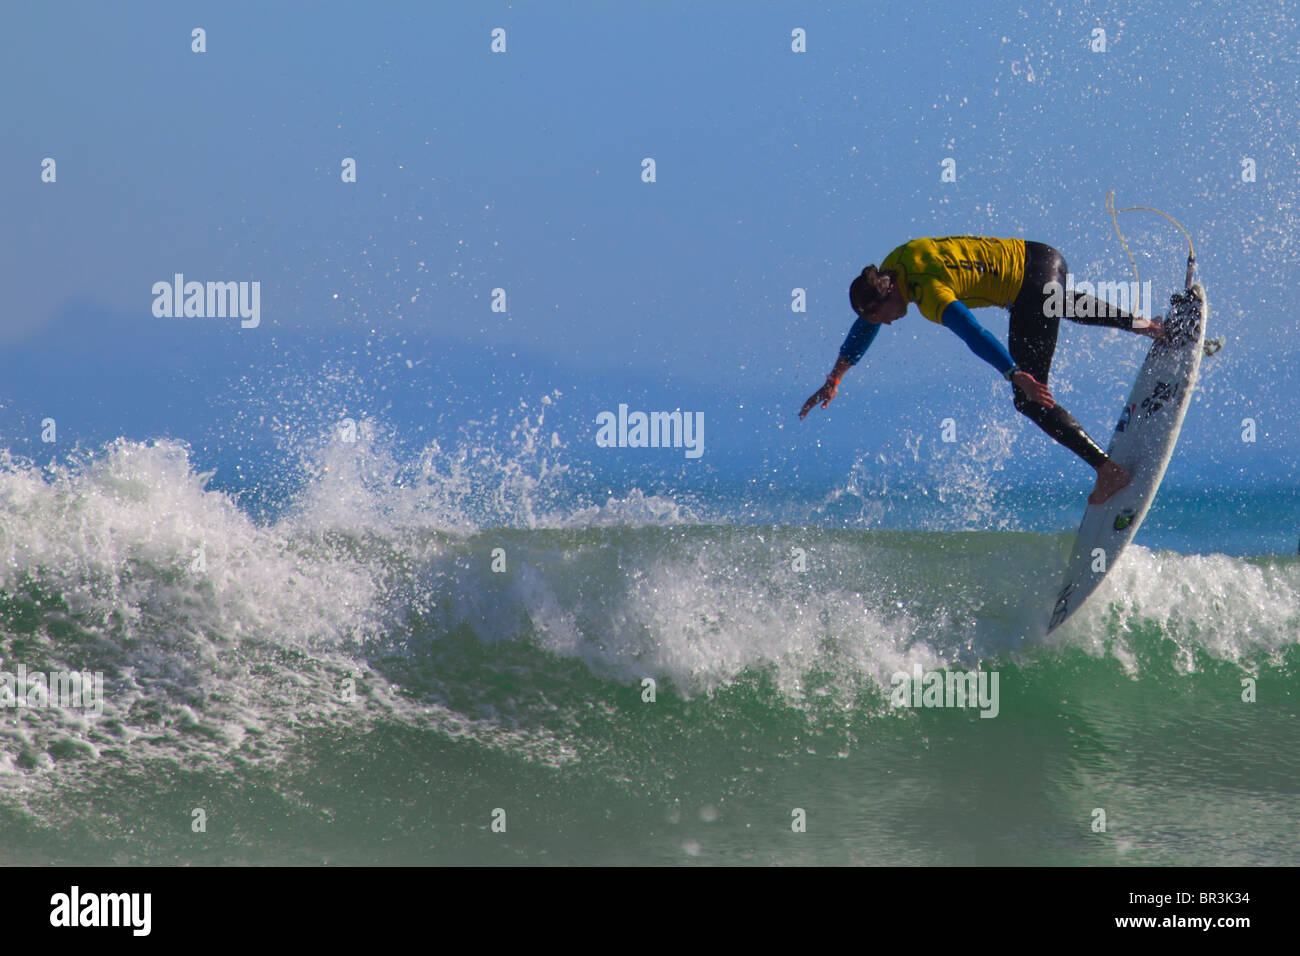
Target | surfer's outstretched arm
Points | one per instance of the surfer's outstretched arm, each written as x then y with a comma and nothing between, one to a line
855,346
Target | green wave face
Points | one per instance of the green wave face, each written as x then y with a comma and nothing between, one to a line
354,691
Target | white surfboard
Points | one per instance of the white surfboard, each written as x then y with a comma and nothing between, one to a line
1142,445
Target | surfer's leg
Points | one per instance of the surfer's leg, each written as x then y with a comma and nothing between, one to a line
1084,308
1032,343
1098,312
1056,421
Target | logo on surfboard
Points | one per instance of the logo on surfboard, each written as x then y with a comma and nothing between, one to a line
1062,609
1125,418
1124,519
1164,393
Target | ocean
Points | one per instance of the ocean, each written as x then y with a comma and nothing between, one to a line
460,657
314,549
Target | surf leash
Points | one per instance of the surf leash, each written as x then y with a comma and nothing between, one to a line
1211,345
1114,217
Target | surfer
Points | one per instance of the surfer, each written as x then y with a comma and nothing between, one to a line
944,277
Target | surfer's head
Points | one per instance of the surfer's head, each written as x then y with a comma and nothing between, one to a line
876,297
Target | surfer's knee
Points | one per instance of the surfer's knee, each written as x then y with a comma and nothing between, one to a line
1046,278
1058,269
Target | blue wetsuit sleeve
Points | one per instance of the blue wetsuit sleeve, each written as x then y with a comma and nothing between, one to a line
858,340
981,341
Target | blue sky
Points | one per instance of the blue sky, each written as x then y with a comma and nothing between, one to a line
522,170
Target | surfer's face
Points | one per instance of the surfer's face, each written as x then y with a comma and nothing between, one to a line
891,309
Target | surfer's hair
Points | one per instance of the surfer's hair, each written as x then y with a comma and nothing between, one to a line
869,289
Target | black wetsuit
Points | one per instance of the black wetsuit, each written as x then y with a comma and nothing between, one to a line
1032,341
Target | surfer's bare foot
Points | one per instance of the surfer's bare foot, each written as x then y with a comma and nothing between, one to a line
1154,329
1110,479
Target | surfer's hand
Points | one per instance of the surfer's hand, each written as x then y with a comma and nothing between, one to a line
1034,390
823,395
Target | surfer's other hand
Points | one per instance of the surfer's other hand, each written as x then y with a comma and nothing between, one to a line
823,395
1034,390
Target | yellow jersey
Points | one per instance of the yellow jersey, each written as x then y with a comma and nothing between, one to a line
975,270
